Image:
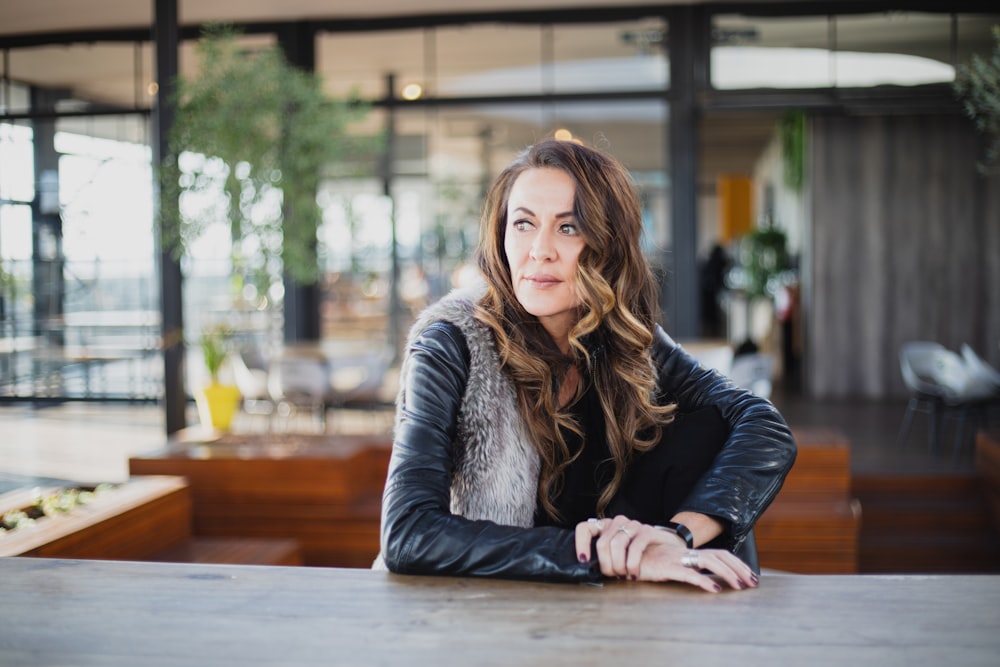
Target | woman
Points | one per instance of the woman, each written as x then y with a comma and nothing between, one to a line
547,428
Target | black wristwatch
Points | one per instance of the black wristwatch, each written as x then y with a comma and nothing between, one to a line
681,531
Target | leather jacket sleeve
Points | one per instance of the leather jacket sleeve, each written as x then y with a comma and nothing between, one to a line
419,535
749,471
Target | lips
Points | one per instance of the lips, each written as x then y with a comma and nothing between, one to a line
541,280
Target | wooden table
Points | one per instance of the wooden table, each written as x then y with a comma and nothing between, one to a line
68,612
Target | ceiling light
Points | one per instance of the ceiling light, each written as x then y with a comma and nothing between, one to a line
412,91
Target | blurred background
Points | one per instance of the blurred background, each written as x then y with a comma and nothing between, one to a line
835,124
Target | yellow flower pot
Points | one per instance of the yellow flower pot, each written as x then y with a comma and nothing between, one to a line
217,403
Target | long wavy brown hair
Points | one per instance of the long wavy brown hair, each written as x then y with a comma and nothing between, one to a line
611,341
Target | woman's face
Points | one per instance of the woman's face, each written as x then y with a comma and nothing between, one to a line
543,243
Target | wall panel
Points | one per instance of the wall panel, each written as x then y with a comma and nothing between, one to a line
905,246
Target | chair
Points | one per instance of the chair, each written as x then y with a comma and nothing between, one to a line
753,372
250,374
943,384
916,364
985,379
297,381
356,380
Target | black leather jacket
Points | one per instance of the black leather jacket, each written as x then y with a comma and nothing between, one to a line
421,536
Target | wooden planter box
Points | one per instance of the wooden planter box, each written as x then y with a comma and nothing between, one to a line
324,491
133,521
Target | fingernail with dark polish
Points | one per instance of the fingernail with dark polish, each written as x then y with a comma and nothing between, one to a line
584,558
755,579
634,577
717,588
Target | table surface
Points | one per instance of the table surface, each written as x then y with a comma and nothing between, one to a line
196,443
66,612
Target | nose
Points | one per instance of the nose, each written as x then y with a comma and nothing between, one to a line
542,248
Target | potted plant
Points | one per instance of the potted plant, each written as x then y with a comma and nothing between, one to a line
217,401
252,139
762,260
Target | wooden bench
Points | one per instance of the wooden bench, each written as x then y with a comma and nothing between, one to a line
233,550
146,518
813,524
324,491
988,470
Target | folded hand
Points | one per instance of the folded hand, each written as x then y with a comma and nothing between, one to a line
633,550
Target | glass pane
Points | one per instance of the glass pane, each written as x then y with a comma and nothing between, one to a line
360,62
756,52
17,163
888,48
13,97
106,191
975,35
104,73
609,57
15,234
16,320
487,60
898,48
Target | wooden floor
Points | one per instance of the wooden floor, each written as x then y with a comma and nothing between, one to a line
907,493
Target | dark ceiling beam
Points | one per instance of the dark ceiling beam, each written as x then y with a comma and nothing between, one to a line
578,15
931,98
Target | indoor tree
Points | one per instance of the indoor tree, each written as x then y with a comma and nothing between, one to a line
252,139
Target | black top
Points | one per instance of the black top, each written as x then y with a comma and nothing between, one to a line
589,473
657,481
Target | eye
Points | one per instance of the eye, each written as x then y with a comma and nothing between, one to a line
569,229
521,225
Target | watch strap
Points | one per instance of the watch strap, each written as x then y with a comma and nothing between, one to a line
681,531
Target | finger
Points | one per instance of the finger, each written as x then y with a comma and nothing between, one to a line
586,531
646,538
691,575
697,579
636,549
619,551
603,547
728,567
612,547
623,545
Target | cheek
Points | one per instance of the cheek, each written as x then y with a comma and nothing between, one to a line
573,254
512,249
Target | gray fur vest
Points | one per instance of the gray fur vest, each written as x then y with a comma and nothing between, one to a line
496,467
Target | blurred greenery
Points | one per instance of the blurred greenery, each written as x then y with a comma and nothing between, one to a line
253,138
792,128
764,256
977,84
214,348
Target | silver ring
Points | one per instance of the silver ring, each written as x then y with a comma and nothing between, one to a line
623,530
690,559
595,521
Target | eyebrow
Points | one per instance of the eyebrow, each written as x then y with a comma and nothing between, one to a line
524,209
